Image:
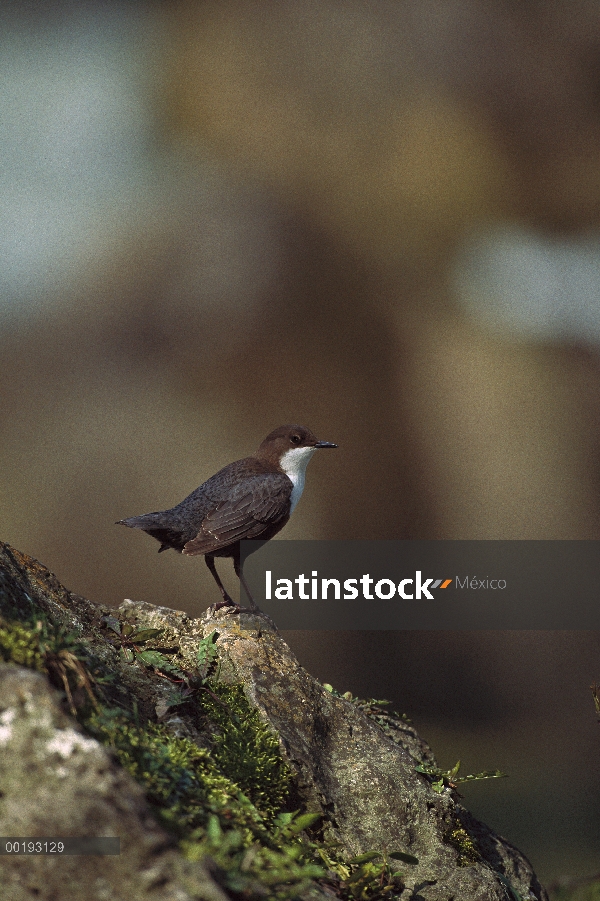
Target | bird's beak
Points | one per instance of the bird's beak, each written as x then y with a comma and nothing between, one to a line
325,444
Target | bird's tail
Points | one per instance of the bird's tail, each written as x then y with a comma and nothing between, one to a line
159,526
146,521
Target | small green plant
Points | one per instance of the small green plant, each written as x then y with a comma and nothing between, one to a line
208,657
136,644
374,876
278,868
391,722
51,649
450,779
368,877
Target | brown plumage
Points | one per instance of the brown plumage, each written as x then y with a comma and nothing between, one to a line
251,498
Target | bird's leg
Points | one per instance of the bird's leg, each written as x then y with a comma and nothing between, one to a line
238,571
227,601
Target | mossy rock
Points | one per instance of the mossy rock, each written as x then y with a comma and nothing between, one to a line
273,785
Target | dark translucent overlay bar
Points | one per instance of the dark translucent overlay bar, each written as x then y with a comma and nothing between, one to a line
59,846
426,584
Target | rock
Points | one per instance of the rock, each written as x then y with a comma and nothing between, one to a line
350,765
56,781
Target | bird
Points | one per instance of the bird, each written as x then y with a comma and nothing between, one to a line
251,498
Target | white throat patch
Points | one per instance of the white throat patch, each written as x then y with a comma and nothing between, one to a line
294,463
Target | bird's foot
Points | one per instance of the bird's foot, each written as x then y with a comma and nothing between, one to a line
233,609
226,602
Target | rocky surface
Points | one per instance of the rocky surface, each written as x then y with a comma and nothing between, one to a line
358,773
56,781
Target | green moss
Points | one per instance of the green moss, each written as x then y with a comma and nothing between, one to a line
459,838
20,644
181,780
245,749
207,809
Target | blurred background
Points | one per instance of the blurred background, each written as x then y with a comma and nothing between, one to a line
381,220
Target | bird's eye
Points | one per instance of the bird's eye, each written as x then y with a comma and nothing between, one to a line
295,439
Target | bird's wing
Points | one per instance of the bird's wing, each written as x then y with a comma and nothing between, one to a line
251,508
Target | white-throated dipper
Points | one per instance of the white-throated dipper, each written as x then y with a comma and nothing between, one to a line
251,498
